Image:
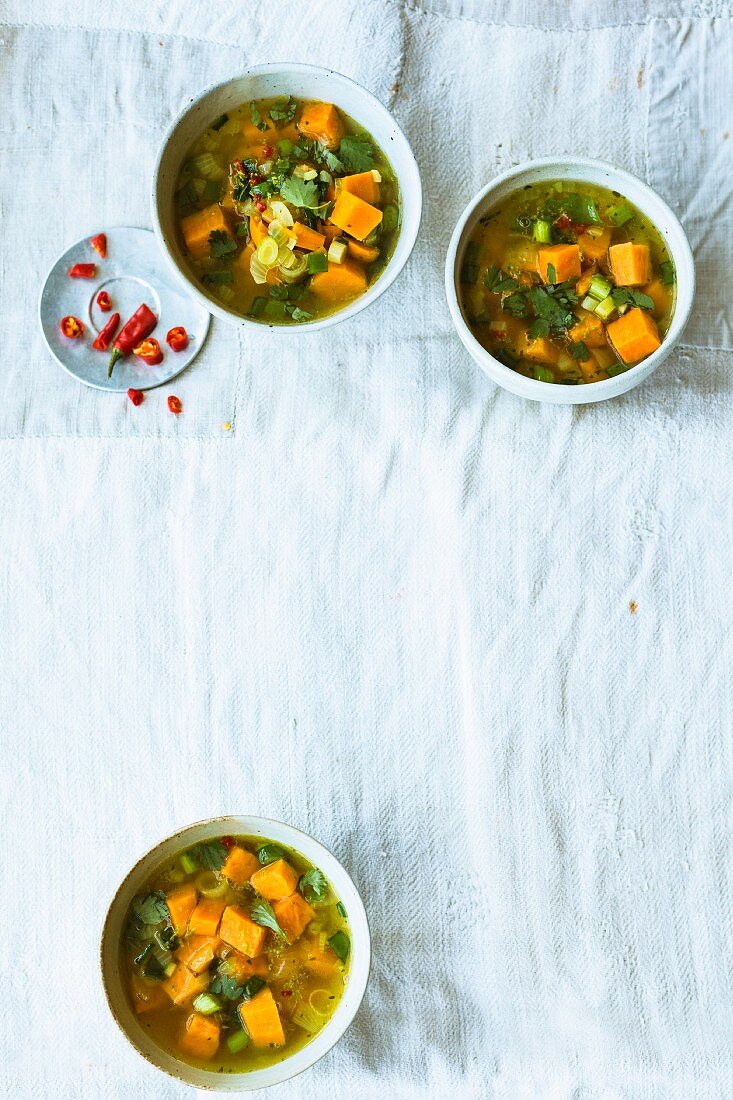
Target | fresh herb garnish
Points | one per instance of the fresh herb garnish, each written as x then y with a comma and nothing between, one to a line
551,274
242,229
497,282
263,914
313,885
212,191
151,908
217,277
516,305
220,244
579,350
340,944
212,854
356,153
299,192
221,120
280,293
283,110
188,195
539,327
667,273
256,117
226,987
551,306
268,853
252,987
299,314
624,297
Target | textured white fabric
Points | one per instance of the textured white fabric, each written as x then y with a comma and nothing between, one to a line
479,647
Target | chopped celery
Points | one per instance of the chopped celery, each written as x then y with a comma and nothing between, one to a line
285,146
207,1004
212,191
188,863
605,308
275,310
667,273
239,1040
337,251
542,231
589,303
317,261
599,288
543,374
620,214
267,251
257,307
205,164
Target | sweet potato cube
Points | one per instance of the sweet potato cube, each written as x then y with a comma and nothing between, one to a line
183,986
146,996
200,1037
293,914
362,252
631,264
591,370
634,336
196,228
340,282
659,294
206,916
563,258
354,216
241,932
594,247
261,1020
308,238
181,903
589,329
240,865
322,122
257,229
276,880
362,184
539,350
242,968
314,958
197,953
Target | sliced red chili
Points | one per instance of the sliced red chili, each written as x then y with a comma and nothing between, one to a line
228,841
563,222
140,325
71,327
136,396
104,339
83,271
174,404
104,301
149,351
260,205
177,338
268,150
99,244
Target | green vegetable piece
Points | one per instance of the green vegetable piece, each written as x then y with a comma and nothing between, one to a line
252,987
144,954
151,908
256,117
216,277
626,297
579,350
221,120
285,146
300,192
599,288
542,231
340,944
616,368
258,306
237,1041
153,969
188,864
469,267
263,914
317,261
167,939
299,314
225,986
341,909
539,327
543,374
667,273
268,853
275,311
242,230
212,191
581,209
206,1004
283,109
313,885
356,153
390,217
551,273
221,244
187,195
605,308
620,214
212,854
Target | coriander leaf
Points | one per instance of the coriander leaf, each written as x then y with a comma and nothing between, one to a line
299,192
313,885
188,196
497,282
268,853
242,230
667,273
212,854
554,312
579,350
516,305
299,314
280,293
151,908
624,297
263,914
551,273
539,327
220,244
357,153
283,110
226,986
256,116
331,161
252,987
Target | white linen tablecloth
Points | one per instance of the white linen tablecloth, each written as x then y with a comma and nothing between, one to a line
479,647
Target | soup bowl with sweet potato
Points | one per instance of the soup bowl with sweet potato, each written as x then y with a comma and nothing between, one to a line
235,953
569,281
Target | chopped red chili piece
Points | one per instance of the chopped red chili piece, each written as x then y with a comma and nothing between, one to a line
174,404
260,205
136,396
140,325
71,327
99,244
104,339
104,301
228,841
254,178
268,150
563,222
149,351
177,338
83,271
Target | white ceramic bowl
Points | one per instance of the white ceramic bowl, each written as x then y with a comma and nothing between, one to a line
303,82
113,980
585,171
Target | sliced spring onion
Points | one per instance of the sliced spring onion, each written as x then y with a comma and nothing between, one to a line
240,1039
325,177
282,214
257,270
266,168
311,174
188,863
170,969
543,374
292,274
279,234
620,214
599,288
337,251
316,261
275,310
206,882
605,308
267,251
589,303
256,310
542,231
207,1004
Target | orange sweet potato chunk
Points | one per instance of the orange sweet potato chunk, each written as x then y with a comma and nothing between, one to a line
293,914
594,247
276,880
363,252
200,1037
206,916
242,968
146,996
308,238
197,953
362,184
634,336
658,294
196,228
240,865
181,903
340,283
322,122
564,258
631,264
257,229
183,986
261,1020
590,330
241,932
316,959
354,216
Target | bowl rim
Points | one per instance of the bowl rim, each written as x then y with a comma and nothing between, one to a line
532,388
218,1079
411,198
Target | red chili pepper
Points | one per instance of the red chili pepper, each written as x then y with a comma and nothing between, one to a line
177,338
254,178
136,396
174,404
99,244
579,227
140,325
268,150
260,205
563,222
149,351
71,327
105,337
228,842
104,301
83,271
